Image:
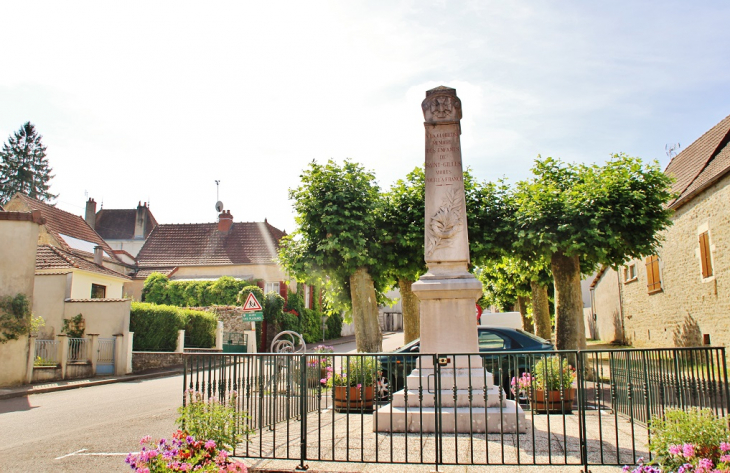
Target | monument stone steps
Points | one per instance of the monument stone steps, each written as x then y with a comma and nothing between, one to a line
447,398
475,379
509,418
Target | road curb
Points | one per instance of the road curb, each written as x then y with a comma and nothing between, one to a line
21,392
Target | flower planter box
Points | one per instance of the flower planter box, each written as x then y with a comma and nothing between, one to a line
550,401
359,398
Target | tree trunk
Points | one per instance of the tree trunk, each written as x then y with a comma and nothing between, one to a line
526,322
411,311
541,311
368,337
569,323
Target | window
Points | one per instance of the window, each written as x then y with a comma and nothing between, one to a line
271,287
653,278
307,296
491,341
705,256
630,272
98,291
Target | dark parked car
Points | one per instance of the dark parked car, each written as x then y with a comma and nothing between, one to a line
397,366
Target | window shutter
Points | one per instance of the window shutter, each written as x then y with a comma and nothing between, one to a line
705,255
653,280
282,290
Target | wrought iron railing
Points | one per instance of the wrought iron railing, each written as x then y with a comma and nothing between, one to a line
445,414
46,353
78,349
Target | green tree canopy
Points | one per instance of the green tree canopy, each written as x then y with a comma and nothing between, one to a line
578,216
338,239
24,167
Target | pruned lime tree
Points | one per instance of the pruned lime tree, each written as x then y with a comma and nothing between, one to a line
579,216
338,239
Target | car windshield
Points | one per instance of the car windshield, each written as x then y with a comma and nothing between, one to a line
534,337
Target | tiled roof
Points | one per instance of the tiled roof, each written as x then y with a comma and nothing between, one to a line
49,257
198,244
60,222
144,273
118,224
701,164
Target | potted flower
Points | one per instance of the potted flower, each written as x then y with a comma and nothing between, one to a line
319,365
552,385
354,384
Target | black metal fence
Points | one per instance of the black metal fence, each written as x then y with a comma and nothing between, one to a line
451,409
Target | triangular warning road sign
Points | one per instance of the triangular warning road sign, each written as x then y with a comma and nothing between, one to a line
251,303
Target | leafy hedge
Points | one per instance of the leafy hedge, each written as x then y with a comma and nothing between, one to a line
155,327
199,328
225,290
334,326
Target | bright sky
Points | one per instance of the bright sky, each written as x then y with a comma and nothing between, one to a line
154,101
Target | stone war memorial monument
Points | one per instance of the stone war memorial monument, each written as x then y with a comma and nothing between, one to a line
448,293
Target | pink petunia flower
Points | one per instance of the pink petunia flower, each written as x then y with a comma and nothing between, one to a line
209,444
675,450
724,446
688,450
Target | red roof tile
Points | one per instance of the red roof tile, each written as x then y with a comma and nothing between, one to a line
199,244
144,273
50,257
59,222
118,224
701,164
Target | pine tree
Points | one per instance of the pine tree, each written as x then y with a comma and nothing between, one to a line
24,167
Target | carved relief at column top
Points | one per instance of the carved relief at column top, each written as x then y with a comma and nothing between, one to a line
441,106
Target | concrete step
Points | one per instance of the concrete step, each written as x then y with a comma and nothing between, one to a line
447,398
463,378
508,419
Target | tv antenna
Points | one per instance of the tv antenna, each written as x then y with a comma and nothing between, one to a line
218,204
671,150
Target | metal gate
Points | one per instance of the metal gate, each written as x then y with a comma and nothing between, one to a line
105,356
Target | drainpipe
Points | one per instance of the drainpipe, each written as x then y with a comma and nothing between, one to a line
621,306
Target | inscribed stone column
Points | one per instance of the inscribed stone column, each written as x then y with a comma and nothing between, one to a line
467,400
448,292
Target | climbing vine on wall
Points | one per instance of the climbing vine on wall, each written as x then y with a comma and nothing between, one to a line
14,317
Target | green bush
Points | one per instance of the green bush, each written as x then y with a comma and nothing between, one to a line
310,324
225,290
273,307
155,327
289,322
334,326
155,289
295,300
159,289
199,328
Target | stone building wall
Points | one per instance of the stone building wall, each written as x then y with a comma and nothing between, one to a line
607,309
689,306
231,316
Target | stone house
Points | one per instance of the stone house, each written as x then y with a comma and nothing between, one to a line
125,230
207,251
681,295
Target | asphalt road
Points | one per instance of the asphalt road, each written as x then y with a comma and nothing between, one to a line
92,429
86,430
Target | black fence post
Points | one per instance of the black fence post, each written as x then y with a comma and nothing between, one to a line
582,405
303,412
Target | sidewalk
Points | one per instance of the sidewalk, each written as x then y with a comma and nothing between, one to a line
51,386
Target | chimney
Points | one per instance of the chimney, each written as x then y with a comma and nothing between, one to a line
225,221
139,221
99,255
90,215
